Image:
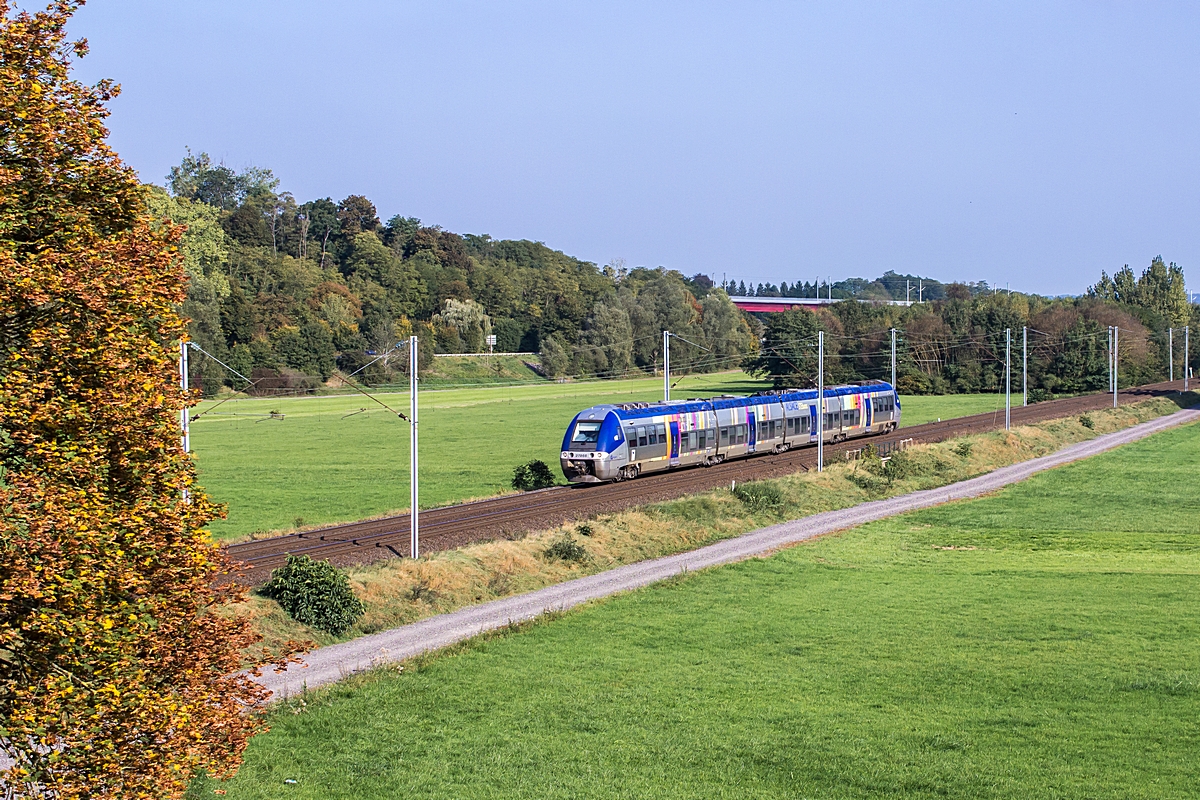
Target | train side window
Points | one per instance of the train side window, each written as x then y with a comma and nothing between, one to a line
631,436
743,433
641,435
652,433
724,436
662,433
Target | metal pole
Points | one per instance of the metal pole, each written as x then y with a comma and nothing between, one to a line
1024,366
820,401
893,359
1110,379
1007,378
1116,362
184,415
666,366
413,513
1171,351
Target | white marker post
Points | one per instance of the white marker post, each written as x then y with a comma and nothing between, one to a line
1171,354
414,531
1187,371
820,401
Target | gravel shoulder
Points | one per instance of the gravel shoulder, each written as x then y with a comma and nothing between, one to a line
330,664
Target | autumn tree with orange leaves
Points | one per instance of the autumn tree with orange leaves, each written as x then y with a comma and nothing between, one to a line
117,679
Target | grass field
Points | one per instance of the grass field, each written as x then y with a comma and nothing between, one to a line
343,457
1041,642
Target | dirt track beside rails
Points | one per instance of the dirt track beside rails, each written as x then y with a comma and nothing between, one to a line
511,516
333,663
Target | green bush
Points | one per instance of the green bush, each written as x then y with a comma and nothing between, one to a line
565,548
1040,395
963,449
759,495
1086,421
314,593
532,475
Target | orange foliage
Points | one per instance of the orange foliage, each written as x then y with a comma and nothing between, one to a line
116,677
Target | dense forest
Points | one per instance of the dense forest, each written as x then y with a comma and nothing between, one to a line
291,293
300,290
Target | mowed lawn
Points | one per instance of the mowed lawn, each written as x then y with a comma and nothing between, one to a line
344,457
1042,642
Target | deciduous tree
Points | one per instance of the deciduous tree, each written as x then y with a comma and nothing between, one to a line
115,661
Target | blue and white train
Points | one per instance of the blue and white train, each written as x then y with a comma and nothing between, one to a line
619,442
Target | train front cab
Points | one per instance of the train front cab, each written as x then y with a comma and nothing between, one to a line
594,448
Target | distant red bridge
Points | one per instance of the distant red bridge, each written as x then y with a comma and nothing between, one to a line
788,303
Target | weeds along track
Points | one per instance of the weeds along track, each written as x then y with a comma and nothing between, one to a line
510,516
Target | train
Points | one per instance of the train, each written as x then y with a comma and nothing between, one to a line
617,442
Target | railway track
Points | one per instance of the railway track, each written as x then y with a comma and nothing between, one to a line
512,515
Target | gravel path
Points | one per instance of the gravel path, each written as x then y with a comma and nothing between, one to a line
330,664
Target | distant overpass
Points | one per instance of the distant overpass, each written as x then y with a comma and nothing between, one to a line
788,303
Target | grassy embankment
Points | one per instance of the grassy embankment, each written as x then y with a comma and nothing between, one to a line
400,591
1041,642
335,458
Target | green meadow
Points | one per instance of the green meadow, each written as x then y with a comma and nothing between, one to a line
1038,643
334,458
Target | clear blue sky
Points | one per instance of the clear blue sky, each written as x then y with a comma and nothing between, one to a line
1033,143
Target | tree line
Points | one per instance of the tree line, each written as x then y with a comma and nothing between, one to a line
304,289
957,343
299,290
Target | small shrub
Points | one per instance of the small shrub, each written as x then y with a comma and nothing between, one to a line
314,593
565,548
963,449
584,529
759,495
532,475
1040,395
1086,421
868,482
422,593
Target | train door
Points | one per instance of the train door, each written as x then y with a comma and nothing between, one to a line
868,403
750,418
674,428
812,422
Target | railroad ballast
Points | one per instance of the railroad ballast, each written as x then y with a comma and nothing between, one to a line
616,442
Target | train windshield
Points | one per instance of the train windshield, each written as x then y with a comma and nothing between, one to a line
587,434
